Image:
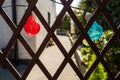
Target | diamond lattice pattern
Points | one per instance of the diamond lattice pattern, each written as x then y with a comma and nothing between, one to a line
35,56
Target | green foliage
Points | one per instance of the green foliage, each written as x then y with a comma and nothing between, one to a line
99,73
114,9
85,6
65,24
90,6
89,57
112,56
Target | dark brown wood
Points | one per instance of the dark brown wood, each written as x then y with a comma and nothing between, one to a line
12,69
67,55
1,2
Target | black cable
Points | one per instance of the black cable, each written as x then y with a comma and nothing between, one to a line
51,0
62,4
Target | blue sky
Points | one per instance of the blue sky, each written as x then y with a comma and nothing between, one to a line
59,7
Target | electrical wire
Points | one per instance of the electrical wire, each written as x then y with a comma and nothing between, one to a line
51,0
63,4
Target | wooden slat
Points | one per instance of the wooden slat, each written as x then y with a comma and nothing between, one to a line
35,57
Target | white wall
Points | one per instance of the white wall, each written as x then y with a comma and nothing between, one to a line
5,31
22,53
44,6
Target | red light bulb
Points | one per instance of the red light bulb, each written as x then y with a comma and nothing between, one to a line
31,27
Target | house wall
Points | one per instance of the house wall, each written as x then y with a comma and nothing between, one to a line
5,31
44,7
22,52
